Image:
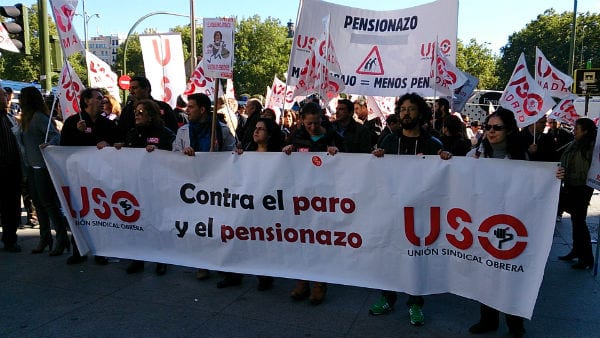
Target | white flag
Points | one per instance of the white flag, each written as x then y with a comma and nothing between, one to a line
524,97
276,95
164,66
557,83
446,76
315,76
101,76
69,91
64,11
565,111
199,83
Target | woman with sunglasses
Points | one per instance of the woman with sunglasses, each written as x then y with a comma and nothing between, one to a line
499,141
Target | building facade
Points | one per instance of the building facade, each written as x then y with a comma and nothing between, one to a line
105,47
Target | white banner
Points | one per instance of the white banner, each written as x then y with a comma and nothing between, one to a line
593,179
417,234
369,44
69,91
64,11
101,76
163,63
217,37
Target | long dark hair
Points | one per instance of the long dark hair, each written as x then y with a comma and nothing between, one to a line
153,110
31,101
274,142
513,146
589,139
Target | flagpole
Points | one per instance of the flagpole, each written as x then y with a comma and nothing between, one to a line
214,115
50,119
435,75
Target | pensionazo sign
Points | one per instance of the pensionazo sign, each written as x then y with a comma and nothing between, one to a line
369,44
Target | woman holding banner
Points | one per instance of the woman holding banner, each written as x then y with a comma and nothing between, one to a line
266,138
499,141
150,133
575,195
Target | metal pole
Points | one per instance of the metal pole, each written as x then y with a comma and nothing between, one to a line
133,28
85,24
572,47
46,71
192,38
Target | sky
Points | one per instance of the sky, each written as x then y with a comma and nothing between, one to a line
486,21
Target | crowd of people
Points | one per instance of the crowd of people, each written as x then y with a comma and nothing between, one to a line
415,128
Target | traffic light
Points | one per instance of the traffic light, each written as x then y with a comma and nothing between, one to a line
18,28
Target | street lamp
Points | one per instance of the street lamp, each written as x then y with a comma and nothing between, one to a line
86,20
582,39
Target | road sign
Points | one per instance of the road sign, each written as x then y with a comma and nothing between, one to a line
124,82
587,81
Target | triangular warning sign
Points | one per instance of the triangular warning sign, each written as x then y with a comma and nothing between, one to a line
372,64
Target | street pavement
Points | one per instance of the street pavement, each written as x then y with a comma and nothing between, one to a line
41,296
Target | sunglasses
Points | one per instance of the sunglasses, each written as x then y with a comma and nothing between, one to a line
496,127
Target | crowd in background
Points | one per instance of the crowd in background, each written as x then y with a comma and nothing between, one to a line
414,128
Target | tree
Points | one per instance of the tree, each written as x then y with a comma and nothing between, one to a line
262,50
550,32
478,60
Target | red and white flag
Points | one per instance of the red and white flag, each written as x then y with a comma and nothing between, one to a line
380,106
525,97
64,11
5,41
101,76
69,91
230,92
565,111
445,75
199,83
277,94
316,75
557,83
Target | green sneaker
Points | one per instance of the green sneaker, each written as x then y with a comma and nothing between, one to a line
416,315
382,307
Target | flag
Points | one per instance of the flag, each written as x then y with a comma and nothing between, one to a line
63,12
565,111
101,76
69,90
315,76
5,42
277,94
230,92
199,83
380,106
164,66
549,78
524,97
445,75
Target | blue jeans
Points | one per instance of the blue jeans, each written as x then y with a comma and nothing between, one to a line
47,206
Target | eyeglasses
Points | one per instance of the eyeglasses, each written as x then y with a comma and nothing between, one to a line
260,129
496,127
104,102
